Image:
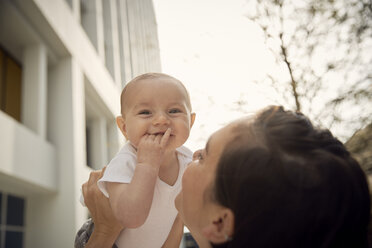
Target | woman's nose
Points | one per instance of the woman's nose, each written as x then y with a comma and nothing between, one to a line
160,119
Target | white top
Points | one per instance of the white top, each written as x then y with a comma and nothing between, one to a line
155,230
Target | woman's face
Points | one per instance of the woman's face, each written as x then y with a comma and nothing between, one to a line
194,201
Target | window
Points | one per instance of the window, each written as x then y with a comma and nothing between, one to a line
89,20
96,143
69,2
10,85
97,122
88,143
11,221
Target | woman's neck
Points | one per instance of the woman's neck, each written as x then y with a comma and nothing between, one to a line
201,241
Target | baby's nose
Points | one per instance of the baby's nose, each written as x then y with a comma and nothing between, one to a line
161,119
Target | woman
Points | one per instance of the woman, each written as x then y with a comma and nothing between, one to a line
272,180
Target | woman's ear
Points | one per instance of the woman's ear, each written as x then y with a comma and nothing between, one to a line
120,122
221,227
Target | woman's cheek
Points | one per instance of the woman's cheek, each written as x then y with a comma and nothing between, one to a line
186,177
178,201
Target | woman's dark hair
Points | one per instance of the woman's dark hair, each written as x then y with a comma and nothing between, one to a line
291,185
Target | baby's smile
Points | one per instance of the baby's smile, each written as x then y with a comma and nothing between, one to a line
160,133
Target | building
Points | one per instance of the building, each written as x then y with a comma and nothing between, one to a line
188,241
63,64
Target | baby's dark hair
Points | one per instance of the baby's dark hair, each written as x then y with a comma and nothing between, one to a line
152,75
292,185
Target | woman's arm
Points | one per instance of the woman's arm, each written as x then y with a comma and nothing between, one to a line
175,235
106,227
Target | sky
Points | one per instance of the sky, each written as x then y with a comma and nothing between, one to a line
218,53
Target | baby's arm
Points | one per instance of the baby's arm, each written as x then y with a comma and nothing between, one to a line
131,202
175,235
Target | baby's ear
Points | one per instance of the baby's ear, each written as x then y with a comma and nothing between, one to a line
221,227
120,122
192,119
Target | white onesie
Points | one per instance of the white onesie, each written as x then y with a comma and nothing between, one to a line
155,230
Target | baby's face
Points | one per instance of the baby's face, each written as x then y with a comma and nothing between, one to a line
151,106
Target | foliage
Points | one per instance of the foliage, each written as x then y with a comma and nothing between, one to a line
323,52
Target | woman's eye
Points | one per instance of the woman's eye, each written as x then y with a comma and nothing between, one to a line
198,155
173,111
144,112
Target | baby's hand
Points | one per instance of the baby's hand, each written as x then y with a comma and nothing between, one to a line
151,148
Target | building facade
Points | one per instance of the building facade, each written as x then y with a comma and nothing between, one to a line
63,64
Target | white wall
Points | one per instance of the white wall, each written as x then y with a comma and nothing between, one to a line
26,156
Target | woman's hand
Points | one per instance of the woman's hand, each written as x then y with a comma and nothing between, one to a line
106,227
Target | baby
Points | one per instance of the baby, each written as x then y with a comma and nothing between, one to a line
144,178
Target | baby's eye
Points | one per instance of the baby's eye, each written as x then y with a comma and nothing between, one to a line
144,112
174,111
